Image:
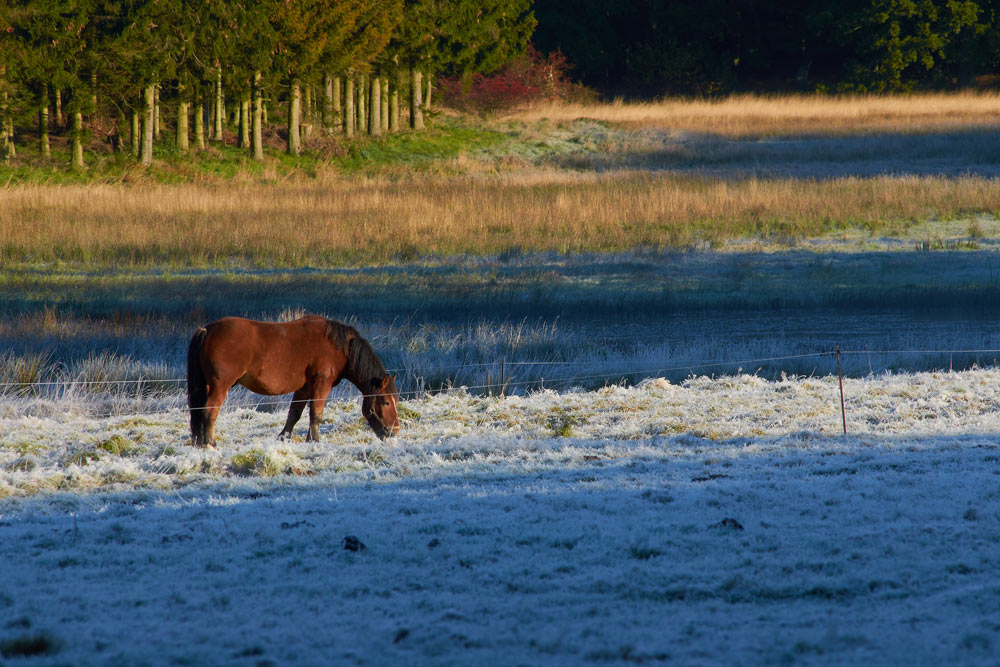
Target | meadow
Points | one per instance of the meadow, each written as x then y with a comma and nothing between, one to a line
613,327
611,238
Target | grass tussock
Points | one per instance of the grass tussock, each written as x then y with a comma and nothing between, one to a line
378,221
751,115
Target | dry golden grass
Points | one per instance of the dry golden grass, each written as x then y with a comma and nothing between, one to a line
337,222
757,115
496,207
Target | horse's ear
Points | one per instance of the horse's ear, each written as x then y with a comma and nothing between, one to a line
385,382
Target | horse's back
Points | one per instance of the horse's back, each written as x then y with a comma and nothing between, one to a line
269,357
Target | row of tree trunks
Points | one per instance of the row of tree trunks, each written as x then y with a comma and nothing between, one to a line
352,104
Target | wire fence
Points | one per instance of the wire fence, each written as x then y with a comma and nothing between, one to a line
502,384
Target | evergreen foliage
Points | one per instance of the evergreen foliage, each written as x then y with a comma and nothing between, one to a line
648,48
126,66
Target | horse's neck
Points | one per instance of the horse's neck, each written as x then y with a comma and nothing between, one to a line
363,383
349,375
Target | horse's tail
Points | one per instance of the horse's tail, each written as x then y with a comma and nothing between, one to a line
197,387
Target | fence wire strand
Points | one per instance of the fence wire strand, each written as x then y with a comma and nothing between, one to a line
501,385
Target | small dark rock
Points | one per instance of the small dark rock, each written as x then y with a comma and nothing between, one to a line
434,543
352,543
402,634
29,645
657,497
728,524
710,477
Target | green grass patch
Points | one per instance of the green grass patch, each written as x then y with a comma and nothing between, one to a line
24,448
257,463
118,445
83,457
443,140
418,150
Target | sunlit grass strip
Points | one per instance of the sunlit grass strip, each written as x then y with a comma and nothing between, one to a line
376,221
769,115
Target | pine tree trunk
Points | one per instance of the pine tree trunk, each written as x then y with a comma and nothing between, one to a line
183,109
60,121
93,93
394,102
258,112
156,112
385,104
220,105
416,111
199,121
136,141
245,119
375,104
78,140
147,126
43,124
305,125
7,130
294,112
362,89
338,107
349,105
121,131
327,102
430,87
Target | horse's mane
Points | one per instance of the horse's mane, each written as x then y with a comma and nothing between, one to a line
362,361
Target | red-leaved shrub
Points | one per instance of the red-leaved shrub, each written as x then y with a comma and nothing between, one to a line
530,78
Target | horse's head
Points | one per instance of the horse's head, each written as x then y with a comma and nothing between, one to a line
379,407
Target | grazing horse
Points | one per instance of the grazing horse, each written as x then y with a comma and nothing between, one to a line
308,357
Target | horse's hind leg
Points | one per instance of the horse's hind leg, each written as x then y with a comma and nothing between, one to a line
216,397
299,400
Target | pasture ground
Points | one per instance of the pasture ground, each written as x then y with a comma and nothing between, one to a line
714,521
714,515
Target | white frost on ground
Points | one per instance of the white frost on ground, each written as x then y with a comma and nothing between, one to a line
720,520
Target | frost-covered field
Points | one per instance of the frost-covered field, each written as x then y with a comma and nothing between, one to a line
718,520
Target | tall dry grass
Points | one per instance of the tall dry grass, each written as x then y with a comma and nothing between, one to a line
772,115
374,221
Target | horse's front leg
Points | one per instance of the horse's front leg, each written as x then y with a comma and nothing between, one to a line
299,400
321,390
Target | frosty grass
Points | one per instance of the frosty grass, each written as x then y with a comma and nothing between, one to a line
719,520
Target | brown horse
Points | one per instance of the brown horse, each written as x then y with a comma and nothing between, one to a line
308,357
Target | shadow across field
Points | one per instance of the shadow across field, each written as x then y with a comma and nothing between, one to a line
835,548
955,154
524,322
